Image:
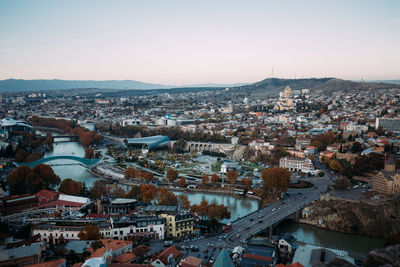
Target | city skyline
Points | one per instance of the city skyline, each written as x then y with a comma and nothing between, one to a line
180,43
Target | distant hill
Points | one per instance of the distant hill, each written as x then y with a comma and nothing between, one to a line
19,85
274,85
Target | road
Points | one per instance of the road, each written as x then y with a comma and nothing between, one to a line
258,221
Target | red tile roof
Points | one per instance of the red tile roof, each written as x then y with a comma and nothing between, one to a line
257,257
165,254
125,258
60,203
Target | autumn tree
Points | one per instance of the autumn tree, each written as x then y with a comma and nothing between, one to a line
341,183
205,179
148,192
20,155
25,180
211,211
89,153
232,176
129,174
247,182
276,180
70,187
115,191
98,189
182,182
183,202
200,209
167,198
148,176
91,232
172,175
214,178
134,193
49,139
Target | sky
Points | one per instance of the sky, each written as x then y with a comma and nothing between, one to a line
194,42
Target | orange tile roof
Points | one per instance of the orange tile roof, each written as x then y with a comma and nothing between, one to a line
125,258
165,254
257,257
53,263
98,253
191,261
115,244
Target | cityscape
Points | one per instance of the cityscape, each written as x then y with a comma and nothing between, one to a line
129,139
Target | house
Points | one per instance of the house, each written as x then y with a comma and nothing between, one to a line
179,224
259,252
168,258
117,247
125,258
99,258
309,255
228,166
191,262
287,243
45,196
23,255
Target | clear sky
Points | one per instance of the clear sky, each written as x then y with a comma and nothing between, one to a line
189,42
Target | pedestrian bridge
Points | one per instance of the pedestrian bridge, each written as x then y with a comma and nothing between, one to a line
81,161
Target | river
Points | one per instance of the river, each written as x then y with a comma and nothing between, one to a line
237,206
357,245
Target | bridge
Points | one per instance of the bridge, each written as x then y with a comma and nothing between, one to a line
70,137
81,161
204,146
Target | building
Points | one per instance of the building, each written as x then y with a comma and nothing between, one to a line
389,124
285,102
117,206
259,252
148,143
387,181
309,255
131,122
178,225
231,166
52,263
63,230
8,125
304,165
17,203
168,258
21,256
138,226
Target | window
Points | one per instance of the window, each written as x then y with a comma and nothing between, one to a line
120,232
72,235
44,234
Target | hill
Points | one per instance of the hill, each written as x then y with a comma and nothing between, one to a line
20,85
275,85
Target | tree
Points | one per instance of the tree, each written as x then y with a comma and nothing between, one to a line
49,139
20,155
183,202
334,165
205,179
98,189
172,175
182,182
247,182
129,174
25,180
134,193
96,245
91,232
148,192
148,176
167,198
232,176
341,183
214,178
276,180
200,209
70,187
89,153
115,191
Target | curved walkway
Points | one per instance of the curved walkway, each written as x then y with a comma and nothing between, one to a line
84,161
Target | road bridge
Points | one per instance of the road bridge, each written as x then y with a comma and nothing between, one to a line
69,138
81,161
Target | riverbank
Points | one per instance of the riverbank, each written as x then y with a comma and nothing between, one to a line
375,219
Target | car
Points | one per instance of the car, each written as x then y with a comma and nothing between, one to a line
237,235
225,236
260,221
195,248
212,260
251,219
205,251
273,209
219,239
260,216
248,227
